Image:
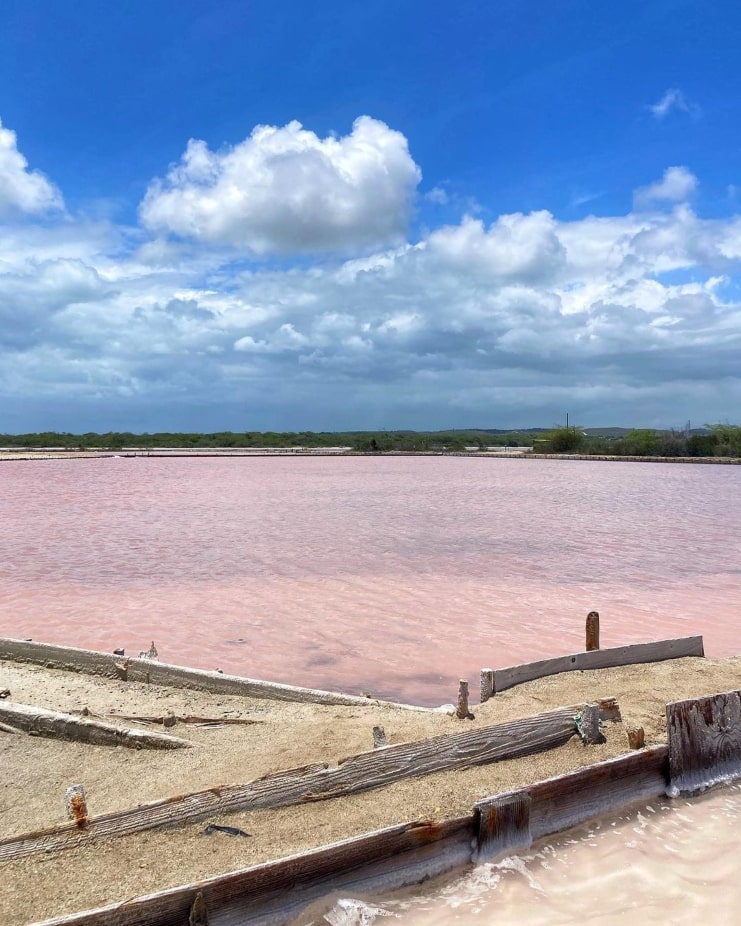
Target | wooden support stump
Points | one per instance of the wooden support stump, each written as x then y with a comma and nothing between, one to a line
379,737
636,737
587,725
198,913
503,825
76,804
592,631
462,712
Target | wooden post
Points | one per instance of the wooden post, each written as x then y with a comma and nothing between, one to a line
503,825
592,630
462,712
487,685
636,737
379,737
77,805
198,913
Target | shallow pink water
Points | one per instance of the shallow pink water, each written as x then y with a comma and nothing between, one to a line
668,862
393,575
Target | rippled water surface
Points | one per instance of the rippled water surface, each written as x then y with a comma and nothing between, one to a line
392,575
669,862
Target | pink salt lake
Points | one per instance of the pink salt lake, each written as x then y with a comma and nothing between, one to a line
391,575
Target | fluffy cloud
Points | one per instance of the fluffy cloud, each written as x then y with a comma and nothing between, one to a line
22,190
621,318
285,190
676,186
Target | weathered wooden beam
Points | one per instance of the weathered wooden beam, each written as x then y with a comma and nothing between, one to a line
41,722
159,673
704,742
276,892
598,659
362,772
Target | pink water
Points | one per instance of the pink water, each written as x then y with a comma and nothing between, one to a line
391,575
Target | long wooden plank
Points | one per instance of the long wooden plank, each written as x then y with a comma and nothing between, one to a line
276,892
704,742
154,672
362,772
494,680
42,722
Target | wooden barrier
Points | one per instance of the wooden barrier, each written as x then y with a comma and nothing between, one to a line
362,772
152,672
704,745
397,856
494,680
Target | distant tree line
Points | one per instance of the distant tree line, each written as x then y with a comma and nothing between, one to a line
362,441
715,440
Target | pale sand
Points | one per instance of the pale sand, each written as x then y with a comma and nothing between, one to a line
36,772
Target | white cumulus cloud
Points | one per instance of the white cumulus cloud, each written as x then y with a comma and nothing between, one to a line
285,190
21,189
676,186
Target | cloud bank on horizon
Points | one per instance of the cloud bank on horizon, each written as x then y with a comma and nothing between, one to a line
294,279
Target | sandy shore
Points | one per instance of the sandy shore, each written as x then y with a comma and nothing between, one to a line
36,772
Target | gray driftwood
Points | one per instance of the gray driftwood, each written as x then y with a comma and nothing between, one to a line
362,772
41,722
494,680
160,673
169,720
704,742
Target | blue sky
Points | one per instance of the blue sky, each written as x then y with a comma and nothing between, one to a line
253,215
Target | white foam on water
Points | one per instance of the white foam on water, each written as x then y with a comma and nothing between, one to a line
349,912
662,863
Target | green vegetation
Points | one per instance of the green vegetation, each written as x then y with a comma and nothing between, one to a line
716,440
563,440
363,441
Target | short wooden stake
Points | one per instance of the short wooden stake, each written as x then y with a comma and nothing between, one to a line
487,685
462,712
636,737
77,805
379,738
592,630
587,725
